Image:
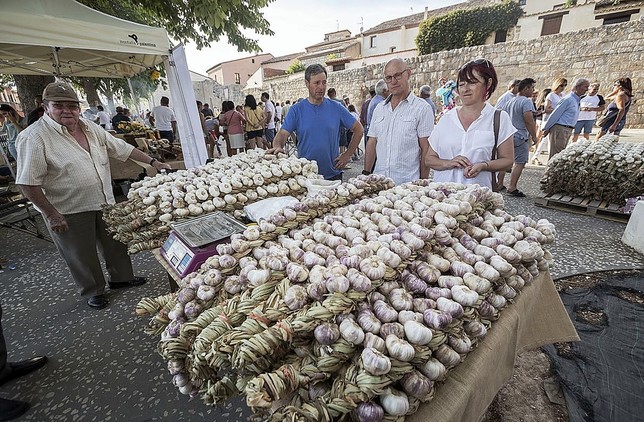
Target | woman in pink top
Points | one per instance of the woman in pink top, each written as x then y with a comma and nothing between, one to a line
234,122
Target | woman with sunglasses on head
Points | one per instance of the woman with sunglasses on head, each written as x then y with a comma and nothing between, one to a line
13,127
461,145
622,98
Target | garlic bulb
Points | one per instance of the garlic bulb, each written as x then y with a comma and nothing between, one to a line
395,402
436,319
447,305
475,329
404,316
464,296
368,321
369,412
460,344
417,333
436,292
476,283
326,333
375,342
447,356
296,297
413,283
384,312
373,267
392,328
375,362
416,385
487,271
401,300
433,369
448,281
359,282
399,348
258,277
351,332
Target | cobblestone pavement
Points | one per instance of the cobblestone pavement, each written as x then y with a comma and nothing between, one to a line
104,368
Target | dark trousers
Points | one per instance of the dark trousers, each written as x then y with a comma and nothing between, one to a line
78,247
336,177
167,134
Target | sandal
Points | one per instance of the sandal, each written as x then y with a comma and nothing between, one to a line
516,193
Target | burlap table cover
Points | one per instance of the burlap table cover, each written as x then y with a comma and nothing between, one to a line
537,317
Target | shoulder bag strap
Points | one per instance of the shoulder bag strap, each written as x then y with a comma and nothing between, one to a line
497,124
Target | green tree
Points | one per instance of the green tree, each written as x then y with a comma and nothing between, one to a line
466,27
295,67
199,21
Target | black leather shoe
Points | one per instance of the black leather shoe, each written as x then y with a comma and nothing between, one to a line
24,367
125,284
12,409
97,302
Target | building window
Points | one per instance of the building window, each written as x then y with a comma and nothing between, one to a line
372,41
252,60
337,67
392,49
237,79
619,17
215,78
500,36
551,25
522,2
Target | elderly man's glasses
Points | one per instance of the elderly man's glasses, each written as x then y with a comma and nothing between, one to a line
69,106
396,76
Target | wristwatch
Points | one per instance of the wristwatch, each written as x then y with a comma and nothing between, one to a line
366,173
152,161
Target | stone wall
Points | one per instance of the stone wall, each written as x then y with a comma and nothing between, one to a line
601,54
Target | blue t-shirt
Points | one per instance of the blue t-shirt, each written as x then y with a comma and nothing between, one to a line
318,132
515,108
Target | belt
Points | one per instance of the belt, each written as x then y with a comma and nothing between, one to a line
569,127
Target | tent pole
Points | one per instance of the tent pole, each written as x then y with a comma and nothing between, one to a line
56,60
136,103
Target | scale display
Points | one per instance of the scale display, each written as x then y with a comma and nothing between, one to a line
210,228
192,242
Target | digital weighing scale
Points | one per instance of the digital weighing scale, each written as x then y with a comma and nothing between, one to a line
191,242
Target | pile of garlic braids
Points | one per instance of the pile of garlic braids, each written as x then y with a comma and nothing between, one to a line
604,170
383,295
143,221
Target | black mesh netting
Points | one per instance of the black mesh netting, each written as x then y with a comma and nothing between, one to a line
603,375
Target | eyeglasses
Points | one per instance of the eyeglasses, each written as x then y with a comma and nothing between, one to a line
486,62
396,76
67,106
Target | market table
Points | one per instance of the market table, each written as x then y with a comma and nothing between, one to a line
536,318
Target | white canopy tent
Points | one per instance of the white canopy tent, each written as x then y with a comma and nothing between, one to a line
67,39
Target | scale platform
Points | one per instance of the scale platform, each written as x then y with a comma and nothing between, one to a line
191,242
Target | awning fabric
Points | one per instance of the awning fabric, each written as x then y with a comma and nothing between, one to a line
66,38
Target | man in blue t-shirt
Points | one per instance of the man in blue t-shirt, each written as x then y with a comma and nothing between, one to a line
317,121
521,111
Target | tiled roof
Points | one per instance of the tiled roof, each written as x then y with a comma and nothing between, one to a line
417,18
243,58
287,58
332,47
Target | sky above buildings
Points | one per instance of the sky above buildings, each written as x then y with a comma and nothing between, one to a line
301,23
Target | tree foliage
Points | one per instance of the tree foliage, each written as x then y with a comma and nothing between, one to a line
466,27
199,21
295,67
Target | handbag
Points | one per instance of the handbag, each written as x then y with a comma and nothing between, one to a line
497,124
607,117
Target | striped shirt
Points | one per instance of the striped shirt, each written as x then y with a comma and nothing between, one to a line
397,132
72,179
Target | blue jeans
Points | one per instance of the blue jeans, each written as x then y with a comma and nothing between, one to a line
270,135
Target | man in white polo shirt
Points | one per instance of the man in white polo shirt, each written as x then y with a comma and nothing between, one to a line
164,120
399,129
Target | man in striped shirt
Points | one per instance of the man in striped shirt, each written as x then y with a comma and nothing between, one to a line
399,130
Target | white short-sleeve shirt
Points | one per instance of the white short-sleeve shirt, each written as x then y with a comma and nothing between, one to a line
163,117
74,180
397,132
450,139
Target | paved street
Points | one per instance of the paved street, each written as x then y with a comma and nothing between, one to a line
103,367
